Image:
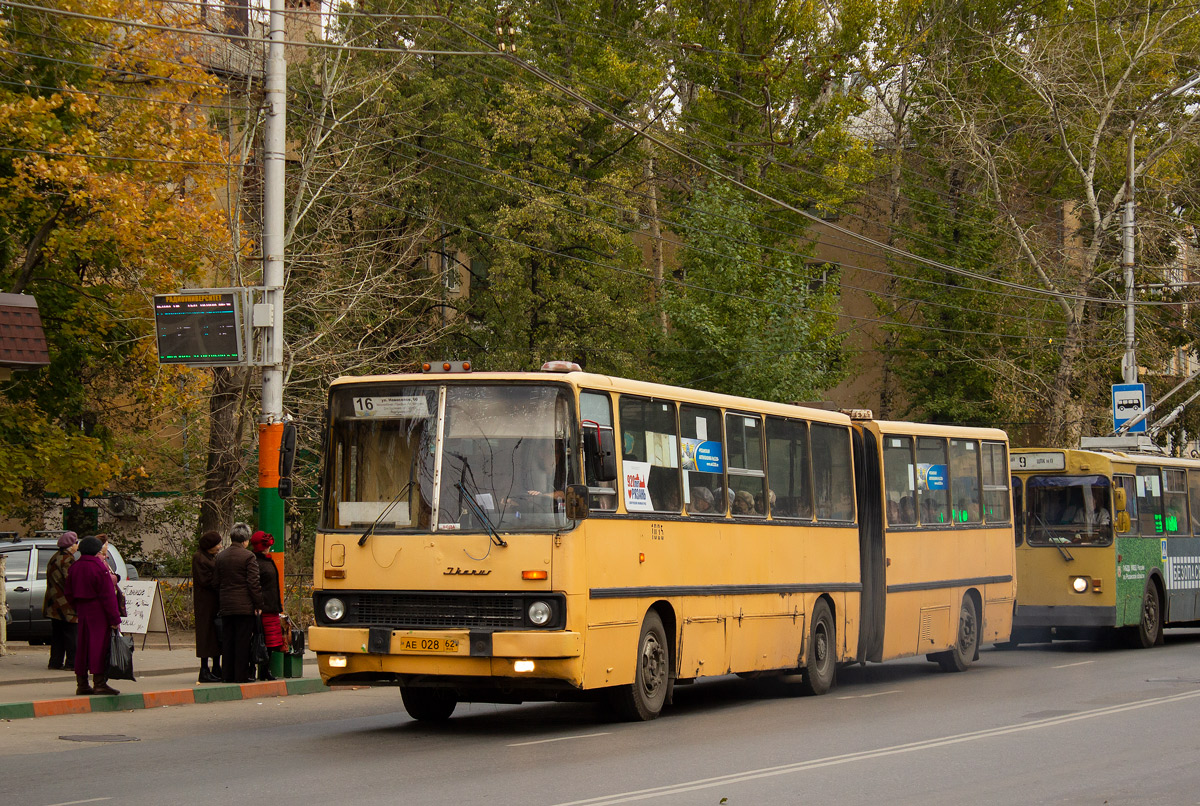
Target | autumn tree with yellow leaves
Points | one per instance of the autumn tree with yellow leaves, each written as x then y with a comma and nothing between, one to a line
109,170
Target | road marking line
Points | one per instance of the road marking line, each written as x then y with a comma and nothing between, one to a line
866,755
866,696
74,802
560,739
1069,665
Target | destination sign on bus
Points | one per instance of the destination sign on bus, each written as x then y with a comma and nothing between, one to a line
1049,460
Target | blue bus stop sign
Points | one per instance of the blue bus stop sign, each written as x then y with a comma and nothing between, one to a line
1128,401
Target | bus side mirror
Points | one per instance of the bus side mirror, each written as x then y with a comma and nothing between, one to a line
287,458
577,502
1124,524
1119,499
600,445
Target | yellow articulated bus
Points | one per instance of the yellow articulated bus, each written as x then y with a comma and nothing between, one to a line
1109,543
506,537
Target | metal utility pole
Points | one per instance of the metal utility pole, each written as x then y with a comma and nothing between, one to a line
1129,368
270,424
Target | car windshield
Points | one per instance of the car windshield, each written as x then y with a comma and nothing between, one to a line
506,456
1068,510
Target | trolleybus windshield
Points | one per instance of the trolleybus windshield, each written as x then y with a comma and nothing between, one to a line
504,457
1068,510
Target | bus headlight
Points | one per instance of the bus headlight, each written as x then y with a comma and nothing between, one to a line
1080,584
334,609
540,613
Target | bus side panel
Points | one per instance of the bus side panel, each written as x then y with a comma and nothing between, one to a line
1181,573
1139,557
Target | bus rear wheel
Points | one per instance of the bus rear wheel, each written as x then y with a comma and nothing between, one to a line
959,657
643,700
820,662
1149,631
429,704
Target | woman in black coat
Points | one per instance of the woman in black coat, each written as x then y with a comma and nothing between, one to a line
205,605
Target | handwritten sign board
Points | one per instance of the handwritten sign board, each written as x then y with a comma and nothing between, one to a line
144,608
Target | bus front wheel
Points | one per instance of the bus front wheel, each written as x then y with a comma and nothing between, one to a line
1149,631
429,704
643,700
820,664
959,657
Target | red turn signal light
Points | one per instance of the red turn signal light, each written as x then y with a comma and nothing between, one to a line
534,575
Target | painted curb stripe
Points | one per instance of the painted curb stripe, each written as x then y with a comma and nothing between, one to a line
158,699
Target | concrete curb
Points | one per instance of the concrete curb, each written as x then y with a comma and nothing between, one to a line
155,699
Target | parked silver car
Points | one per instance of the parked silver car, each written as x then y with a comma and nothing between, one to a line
25,582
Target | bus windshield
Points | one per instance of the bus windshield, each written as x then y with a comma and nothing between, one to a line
506,455
1068,510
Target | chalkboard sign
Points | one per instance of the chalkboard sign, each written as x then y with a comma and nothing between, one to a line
201,327
144,608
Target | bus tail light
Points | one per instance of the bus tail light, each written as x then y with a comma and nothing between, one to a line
1096,586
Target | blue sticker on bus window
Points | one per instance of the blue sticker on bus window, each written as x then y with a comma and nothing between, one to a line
935,476
702,455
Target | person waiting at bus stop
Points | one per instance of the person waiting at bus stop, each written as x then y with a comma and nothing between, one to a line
56,607
260,543
91,591
239,587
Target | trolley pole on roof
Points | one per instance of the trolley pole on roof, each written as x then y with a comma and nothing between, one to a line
270,424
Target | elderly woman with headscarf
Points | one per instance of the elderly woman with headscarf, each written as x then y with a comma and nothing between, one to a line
268,575
205,604
90,589
57,608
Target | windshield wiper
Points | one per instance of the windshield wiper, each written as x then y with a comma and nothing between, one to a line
395,500
479,512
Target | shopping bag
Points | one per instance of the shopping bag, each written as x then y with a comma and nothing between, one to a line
258,646
120,657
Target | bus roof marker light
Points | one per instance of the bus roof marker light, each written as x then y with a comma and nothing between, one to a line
561,366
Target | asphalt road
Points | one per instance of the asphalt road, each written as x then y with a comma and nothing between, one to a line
1069,723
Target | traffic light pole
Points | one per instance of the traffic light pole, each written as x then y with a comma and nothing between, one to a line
270,425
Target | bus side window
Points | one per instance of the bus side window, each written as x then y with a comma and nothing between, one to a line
1193,480
747,481
833,476
964,481
595,407
1175,501
995,475
1127,484
1149,502
703,460
650,456
788,471
899,476
933,495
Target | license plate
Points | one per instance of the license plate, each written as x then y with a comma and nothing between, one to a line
412,644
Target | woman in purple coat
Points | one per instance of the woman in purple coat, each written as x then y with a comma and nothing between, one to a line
91,590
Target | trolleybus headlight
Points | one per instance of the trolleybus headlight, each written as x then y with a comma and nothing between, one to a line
539,613
1080,584
334,609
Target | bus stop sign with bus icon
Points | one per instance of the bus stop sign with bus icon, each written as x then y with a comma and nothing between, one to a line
1128,401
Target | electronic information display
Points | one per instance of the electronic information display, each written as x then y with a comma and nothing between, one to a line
201,327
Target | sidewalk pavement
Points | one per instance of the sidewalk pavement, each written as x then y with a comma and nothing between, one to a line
164,677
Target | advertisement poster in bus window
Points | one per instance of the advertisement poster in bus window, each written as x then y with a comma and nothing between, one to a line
931,477
637,494
701,455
